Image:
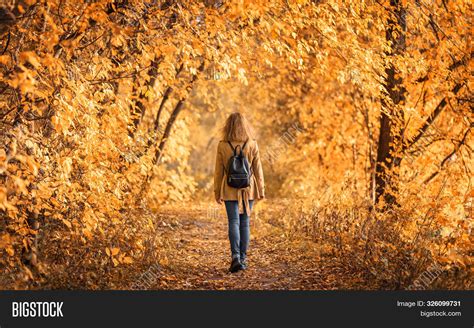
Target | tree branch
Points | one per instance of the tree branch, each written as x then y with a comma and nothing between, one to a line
152,74
166,95
7,43
455,150
172,119
438,109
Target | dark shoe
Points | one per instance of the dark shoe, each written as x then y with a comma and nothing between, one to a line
244,264
235,265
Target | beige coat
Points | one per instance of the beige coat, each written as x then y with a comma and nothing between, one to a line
222,191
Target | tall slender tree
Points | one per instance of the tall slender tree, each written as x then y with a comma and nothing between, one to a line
392,118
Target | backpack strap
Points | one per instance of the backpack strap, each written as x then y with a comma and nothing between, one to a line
233,148
242,148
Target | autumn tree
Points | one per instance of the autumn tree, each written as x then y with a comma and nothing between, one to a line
392,115
107,107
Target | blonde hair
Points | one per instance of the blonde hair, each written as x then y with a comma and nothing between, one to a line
237,128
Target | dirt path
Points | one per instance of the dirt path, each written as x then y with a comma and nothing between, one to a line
198,255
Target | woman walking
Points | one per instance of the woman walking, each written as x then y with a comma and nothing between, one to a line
238,181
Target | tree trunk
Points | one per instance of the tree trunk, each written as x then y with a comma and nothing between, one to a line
166,134
172,119
138,110
390,143
166,95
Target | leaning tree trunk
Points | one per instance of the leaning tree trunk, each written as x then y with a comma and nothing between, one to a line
174,115
390,141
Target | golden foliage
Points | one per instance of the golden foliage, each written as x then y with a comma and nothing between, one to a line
90,137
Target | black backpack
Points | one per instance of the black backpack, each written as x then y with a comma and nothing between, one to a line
239,172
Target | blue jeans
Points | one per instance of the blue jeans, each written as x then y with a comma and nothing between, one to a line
239,229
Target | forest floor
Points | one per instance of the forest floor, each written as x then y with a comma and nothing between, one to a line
198,255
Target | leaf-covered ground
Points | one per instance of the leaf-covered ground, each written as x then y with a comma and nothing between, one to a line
197,255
